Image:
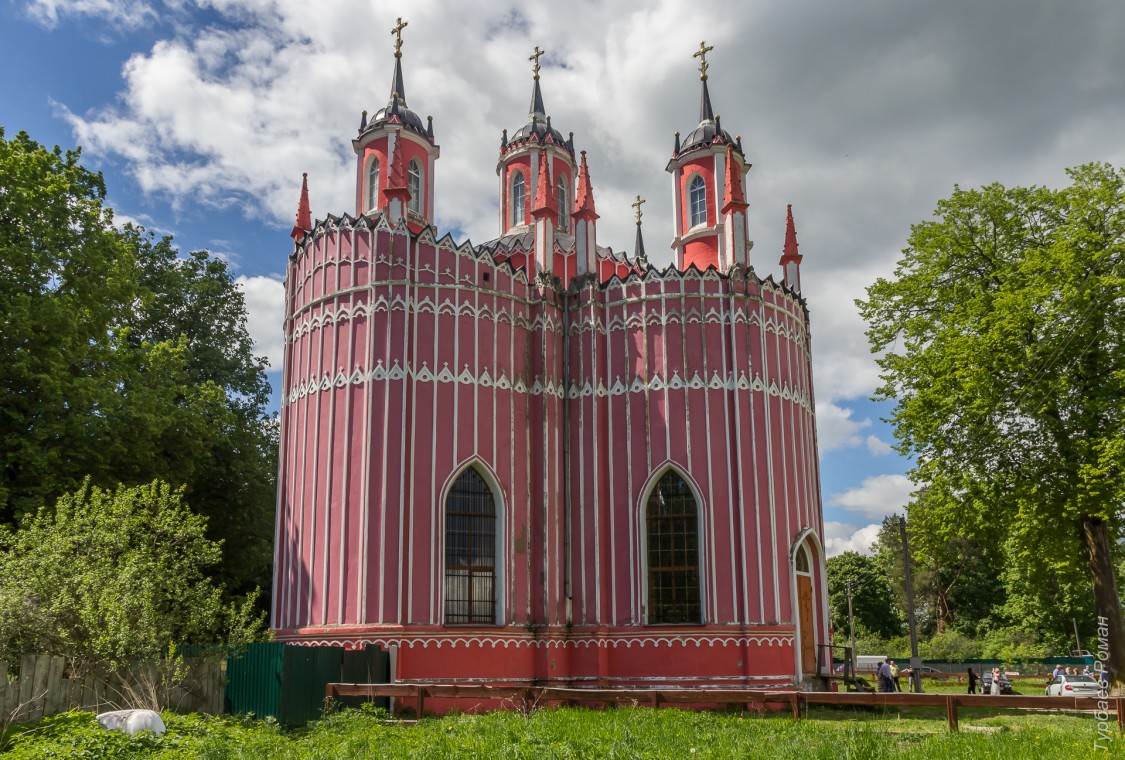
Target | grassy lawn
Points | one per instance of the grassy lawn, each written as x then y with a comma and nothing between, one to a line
580,733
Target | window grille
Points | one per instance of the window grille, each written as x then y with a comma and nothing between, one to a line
516,199
470,551
672,525
698,195
373,184
415,187
564,209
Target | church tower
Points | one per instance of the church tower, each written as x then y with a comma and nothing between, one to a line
395,155
709,170
537,175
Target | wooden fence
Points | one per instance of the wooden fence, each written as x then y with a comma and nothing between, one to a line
47,685
794,700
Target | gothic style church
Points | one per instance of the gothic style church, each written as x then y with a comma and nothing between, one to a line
536,460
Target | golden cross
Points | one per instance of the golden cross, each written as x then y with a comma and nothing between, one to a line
397,32
701,54
535,57
637,205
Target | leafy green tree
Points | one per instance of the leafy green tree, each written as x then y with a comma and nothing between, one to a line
124,362
1000,339
110,577
871,596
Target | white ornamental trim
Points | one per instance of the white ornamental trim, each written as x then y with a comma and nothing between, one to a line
555,387
518,642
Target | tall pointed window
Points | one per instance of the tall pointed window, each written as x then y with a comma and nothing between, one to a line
698,198
516,199
373,184
415,187
672,531
564,207
470,551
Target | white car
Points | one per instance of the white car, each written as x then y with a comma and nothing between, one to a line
1073,686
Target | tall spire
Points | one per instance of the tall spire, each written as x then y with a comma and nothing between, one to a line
536,108
546,204
398,89
705,111
639,247
303,224
790,257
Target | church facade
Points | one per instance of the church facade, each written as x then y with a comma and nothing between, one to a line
536,460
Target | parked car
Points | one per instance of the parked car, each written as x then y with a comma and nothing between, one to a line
986,683
924,670
1073,686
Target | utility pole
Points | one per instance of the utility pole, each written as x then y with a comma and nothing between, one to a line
1077,641
851,632
915,660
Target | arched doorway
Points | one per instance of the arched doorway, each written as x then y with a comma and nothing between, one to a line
806,608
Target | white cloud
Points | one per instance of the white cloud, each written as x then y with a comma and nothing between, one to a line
265,307
877,496
127,13
843,537
835,427
877,446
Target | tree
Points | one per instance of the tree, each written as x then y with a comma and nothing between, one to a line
871,596
123,362
110,577
1001,342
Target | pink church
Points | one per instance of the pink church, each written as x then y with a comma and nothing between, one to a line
538,461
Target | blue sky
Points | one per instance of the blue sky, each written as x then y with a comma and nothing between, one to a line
202,116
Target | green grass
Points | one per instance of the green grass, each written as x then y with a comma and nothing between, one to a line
839,734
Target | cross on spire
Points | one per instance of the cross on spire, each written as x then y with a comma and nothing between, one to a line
535,58
701,54
397,32
637,205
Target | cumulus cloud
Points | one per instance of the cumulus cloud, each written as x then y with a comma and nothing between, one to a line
844,537
877,496
835,427
862,127
265,305
877,446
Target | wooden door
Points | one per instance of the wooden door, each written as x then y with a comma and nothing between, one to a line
808,636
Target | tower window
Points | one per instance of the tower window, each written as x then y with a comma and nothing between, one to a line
698,198
470,551
415,187
373,184
564,208
672,530
516,199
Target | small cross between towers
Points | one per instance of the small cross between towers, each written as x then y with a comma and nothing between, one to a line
637,205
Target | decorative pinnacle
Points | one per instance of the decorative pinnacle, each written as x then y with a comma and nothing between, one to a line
701,54
397,32
637,205
535,58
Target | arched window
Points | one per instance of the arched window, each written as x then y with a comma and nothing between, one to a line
414,185
672,532
802,561
470,551
698,196
564,208
373,184
516,200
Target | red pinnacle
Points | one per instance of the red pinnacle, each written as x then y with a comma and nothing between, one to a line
733,198
304,216
545,201
584,198
790,249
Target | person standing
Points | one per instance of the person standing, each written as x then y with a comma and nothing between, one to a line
972,682
884,675
995,688
894,676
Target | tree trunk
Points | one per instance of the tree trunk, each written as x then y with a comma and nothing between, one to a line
1109,645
